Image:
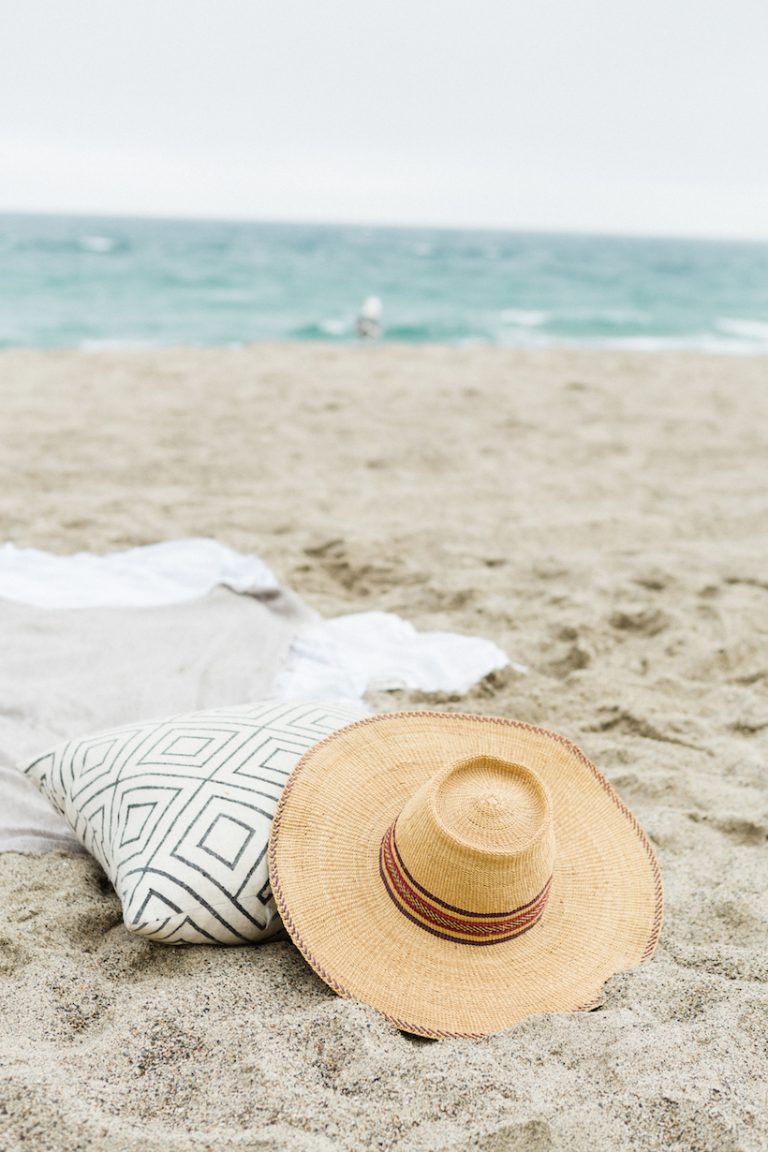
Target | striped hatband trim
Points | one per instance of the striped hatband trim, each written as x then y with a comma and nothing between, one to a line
444,920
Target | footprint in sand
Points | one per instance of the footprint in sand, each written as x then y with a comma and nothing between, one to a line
13,955
640,620
742,831
362,579
530,1136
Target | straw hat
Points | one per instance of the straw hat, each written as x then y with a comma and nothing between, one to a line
460,872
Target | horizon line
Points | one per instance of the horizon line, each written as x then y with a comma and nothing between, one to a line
516,230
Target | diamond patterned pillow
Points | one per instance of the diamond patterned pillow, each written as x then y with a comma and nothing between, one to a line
178,812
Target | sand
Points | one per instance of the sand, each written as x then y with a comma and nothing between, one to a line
603,517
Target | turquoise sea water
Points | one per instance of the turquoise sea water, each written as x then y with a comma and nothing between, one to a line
93,282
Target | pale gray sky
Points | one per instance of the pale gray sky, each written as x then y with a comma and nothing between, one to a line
601,115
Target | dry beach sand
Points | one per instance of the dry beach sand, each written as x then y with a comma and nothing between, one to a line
602,516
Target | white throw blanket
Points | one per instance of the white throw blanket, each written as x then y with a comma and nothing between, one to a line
168,573
87,642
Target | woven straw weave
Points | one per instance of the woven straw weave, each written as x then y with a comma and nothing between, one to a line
495,822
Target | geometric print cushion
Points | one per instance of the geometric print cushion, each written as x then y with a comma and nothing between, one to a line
178,812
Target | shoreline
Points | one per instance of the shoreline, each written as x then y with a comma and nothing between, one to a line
101,346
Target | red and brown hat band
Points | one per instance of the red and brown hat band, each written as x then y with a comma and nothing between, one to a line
444,920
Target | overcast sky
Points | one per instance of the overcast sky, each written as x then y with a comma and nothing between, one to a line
606,115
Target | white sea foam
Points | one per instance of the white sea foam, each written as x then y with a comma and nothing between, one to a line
756,330
101,244
334,327
524,317
695,342
117,345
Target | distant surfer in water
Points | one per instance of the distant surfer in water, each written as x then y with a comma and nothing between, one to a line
369,318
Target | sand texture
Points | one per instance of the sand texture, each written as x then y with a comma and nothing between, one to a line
601,516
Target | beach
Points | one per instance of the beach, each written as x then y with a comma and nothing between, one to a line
601,515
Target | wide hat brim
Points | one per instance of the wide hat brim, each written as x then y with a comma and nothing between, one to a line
603,915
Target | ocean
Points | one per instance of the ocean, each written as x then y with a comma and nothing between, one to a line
95,282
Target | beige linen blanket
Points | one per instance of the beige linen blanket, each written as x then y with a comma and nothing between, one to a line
71,671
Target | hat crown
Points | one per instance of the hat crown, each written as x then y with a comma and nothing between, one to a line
472,851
